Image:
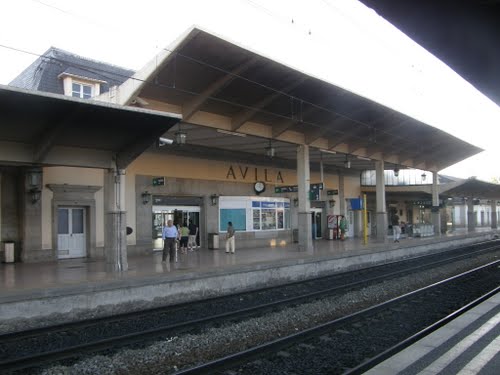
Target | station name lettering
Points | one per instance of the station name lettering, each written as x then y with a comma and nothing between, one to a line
244,172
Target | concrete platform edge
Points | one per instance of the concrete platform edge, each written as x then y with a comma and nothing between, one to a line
161,290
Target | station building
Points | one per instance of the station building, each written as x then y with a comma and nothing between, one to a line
208,131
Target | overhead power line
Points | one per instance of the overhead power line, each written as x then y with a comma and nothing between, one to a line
104,72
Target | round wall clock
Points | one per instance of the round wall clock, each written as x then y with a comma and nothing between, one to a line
259,187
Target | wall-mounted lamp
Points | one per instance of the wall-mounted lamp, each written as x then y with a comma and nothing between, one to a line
146,196
396,171
35,184
424,176
296,202
36,194
213,199
331,203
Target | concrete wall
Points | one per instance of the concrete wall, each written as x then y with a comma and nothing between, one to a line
184,176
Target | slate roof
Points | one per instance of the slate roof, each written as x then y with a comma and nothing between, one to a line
43,73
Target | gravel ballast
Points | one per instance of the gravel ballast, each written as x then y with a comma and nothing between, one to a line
173,353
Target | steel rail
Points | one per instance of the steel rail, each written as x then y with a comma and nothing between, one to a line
126,339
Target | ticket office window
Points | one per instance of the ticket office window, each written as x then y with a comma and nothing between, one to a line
254,213
270,215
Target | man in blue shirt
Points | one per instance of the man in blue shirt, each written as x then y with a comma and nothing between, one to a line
169,236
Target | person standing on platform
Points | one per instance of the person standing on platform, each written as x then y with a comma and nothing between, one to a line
396,229
342,227
169,236
230,245
183,236
193,232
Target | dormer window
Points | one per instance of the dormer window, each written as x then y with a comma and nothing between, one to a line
80,90
78,85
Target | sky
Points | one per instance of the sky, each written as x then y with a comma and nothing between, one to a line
340,41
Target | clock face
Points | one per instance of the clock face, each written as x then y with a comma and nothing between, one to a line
259,187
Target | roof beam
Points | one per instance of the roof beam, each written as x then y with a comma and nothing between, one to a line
283,126
46,141
245,115
191,107
314,135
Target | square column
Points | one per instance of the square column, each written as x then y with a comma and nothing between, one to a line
304,212
31,213
115,221
381,206
341,195
494,218
471,218
435,214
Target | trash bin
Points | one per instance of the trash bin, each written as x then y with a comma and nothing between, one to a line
213,241
295,235
8,252
331,235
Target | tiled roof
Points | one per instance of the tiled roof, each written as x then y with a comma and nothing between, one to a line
42,75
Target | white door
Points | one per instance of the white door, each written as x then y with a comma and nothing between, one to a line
71,233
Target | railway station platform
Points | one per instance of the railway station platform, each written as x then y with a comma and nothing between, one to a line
469,344
35,290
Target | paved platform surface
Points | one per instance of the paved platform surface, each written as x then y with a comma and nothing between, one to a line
29,290
470,344
17,277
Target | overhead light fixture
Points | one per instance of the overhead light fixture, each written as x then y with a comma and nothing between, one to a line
231,133
347,162
164,141
396,171
327,151
180,137
424,176
363,158
270,151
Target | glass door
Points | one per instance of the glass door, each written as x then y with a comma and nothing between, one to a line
178,215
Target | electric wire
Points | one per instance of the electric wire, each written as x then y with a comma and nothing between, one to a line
104,72
302,101
292,98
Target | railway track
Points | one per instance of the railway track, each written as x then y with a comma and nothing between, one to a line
355,343
33,348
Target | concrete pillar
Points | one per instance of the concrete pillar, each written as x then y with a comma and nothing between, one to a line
321,177
304,212
494,214
463,215
471,220
115,221
435,214
341,195
31,208
381,206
